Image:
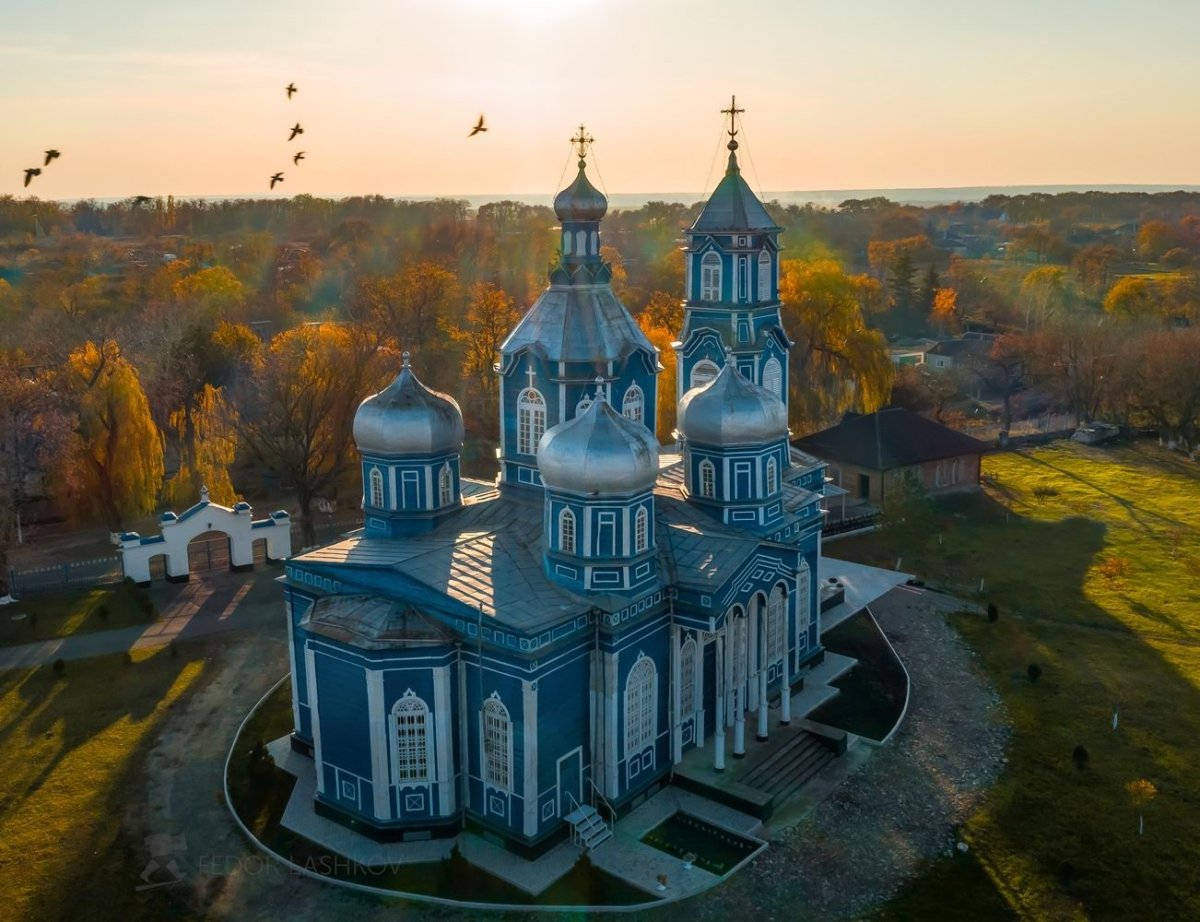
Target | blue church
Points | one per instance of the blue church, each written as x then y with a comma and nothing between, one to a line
512,656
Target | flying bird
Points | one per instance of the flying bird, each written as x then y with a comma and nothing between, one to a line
278,177
297,157
291,88
32,172
51,154
478,127
296,129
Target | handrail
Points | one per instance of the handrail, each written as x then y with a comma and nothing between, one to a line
597,795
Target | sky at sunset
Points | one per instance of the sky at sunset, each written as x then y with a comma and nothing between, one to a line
165,97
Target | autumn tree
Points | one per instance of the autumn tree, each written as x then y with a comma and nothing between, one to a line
1093,267
491,315
1043,292
212,292
1132,298
207,435
661,337
1077,358
836,362
665,311
946,314
1161,386
930,284
295,413
113,463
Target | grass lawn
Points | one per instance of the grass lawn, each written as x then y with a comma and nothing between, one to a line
77,611
71,749
1092,555
872,693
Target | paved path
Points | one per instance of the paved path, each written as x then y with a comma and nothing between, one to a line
209,605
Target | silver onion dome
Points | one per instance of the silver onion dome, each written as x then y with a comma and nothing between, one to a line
598,452
407,418
580,201
731,410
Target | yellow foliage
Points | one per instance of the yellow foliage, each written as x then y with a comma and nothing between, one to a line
208,443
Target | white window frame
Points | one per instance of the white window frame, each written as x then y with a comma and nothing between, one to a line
641,530
583,406
566,531
376,479
773,376
641,706
633,404
446,485
740,648
764,276
710,276
772,476
531,420
708,479
606,523
411,746
703,372
496,748
776,624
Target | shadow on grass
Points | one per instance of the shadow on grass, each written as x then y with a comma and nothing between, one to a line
872,694
1050,838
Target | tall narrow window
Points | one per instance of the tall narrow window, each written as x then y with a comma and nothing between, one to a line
497,744
743,278
772,477
633,404
773,377
703,372
376,488
707,478
566,531
803,581
411,717
764,276
641,522
687,678
446,485
776,624
641,715
739,650
531,420
606,535
710,277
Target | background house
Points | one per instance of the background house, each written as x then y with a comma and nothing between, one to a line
868,454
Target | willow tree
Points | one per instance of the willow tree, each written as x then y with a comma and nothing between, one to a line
837,363
296,412
113,463
208,444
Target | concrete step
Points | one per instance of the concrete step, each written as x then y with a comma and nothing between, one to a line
588,825
579,814
808,772
788,754
596,837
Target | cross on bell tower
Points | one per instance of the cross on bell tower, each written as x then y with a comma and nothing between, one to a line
582,141
733,112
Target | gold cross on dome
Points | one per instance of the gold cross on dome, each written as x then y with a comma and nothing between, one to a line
581,141
733,112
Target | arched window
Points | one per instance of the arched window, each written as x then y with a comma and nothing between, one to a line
776,624
582,406
764,276
497,744
641,523
411,719
803,588
595,243
707,479
566,243
633,404
566,531
376,488
580,243
773,377
446,485
710,277
531,420
772,477
703,372
641,715
687,678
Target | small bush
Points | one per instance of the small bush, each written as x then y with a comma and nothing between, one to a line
1080,757
1114,569
1034,672
993,612
59,667
1042,492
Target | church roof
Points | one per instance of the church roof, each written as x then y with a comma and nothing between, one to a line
889,439
580,201
406,417
373,623
599,451
733,207
731,410
578,324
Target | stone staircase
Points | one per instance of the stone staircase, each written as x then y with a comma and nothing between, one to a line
588,829
787,769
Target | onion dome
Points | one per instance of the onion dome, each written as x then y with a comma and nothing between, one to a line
598,452
580,201
407,418
731,410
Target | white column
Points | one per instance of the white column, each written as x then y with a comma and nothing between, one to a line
310,670
753,631
530,738
698,733
719,703
785,699
377,718
761,736
610,725
739,725
291,644
445,752
676,691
